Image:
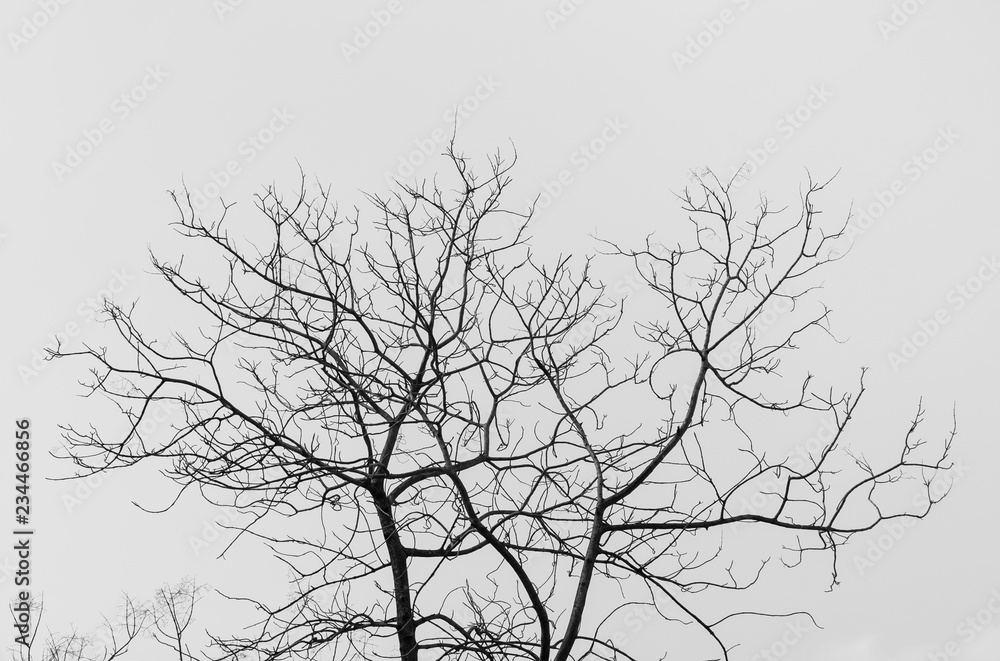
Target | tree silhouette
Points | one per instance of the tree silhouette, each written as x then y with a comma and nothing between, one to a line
166,619
463,451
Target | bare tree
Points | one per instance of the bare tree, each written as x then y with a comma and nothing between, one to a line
453,445
165,620
172,614
110,641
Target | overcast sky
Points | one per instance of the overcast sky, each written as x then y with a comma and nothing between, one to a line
106,106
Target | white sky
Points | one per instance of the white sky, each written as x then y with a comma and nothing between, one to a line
881,94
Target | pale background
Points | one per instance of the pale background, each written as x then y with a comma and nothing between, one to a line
886,94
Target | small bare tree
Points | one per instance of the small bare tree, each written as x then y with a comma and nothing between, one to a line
109,642
172,612
165,620
454,445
